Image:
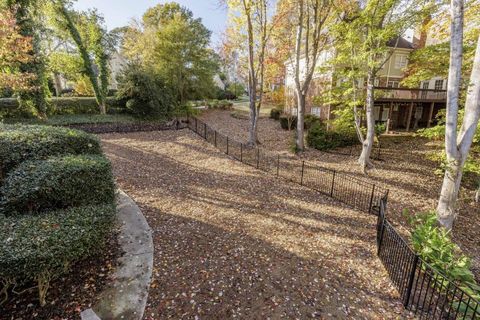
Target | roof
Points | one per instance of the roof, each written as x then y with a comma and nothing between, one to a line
402,43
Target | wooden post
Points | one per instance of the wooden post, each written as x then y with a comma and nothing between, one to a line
430,115
409,119
389,120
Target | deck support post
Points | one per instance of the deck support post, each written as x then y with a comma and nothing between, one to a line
409,119
430,115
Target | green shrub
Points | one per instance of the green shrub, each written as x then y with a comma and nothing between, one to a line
320,138
310,120
435,246
55,183
275,113
146,95
19,143
284,122
42,248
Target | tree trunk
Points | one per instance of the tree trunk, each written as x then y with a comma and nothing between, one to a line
58,84
453,173
367,146
103,108
446,212
300,140
477,194
252,133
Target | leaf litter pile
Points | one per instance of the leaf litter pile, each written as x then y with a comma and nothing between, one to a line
404,169
232,242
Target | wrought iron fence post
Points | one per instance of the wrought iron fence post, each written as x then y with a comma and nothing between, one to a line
241,152
258,157
333,183
381,231
196,126
371,199
411,278
227,144
205,130
215,138
303,169
278,164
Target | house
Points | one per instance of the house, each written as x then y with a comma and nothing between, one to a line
399,108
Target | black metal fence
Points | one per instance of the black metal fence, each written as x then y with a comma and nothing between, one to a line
423,290
357,193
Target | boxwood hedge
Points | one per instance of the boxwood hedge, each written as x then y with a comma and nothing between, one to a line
41,248
55,183
19,143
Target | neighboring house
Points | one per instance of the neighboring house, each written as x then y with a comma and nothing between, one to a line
399,108
117,62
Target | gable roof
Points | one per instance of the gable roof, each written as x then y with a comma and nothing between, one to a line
402,43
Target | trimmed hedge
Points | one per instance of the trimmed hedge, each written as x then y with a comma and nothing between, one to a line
65,105
55,183
320,138
19,143
42,248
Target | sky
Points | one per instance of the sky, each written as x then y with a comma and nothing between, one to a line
119,13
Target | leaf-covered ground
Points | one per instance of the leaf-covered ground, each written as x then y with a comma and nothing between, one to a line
233,242
404,170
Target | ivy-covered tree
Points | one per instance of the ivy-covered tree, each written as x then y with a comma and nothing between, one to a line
26,15
15,50
89,36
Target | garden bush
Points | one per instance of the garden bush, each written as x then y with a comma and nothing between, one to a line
284,122
320,138
275,113
146,95
310,120
42,248
58,182
19,143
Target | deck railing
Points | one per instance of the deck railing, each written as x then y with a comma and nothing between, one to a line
424,290
406,94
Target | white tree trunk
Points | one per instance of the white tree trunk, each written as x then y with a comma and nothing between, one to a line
367,146
300,139
458,146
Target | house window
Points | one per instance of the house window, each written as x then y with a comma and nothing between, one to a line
438,84
393,84
425,84
316,111
400,61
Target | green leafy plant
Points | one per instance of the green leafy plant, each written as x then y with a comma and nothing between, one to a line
59,182
275,113
435,246
19,143
288,122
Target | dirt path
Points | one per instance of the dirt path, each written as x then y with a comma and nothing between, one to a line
232,242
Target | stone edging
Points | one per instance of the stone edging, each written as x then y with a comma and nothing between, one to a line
126,297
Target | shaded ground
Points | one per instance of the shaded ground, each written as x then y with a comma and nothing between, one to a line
232,242
405,170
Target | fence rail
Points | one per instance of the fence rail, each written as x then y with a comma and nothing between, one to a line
423,290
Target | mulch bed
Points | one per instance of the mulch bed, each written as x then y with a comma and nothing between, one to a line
70,294
98,128
404,170
233,242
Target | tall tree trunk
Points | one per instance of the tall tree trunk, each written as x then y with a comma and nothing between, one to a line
453,174
300,140
458,146
367,146
477,194
58,84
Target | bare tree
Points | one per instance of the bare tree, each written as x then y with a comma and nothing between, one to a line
310,42
458,143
